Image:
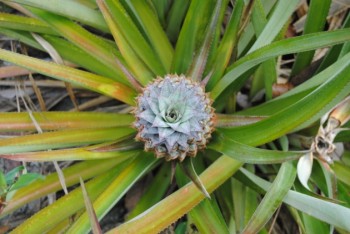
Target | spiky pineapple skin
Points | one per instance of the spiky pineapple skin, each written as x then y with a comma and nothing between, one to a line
174,117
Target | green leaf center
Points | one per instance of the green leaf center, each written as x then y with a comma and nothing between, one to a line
172,115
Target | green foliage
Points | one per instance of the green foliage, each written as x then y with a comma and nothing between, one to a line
14,180
234,49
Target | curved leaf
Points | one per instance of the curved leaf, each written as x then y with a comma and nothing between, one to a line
115,191
133,36
206,216
81,78
272,199
12,21
71,9
87,153
227,44
224,120
95,46
67,205
197,17
154,192
96,228
283,10
165,212
297,115
51,183
342,171
200,61
13,121
315,21
153,30
61,139
249,154
138,67
286,46
175,18
324,210
67,50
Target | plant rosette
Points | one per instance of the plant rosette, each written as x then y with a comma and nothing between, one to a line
174,117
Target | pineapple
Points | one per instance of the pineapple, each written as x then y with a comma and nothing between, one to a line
174,117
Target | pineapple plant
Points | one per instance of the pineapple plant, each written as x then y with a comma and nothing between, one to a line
186,78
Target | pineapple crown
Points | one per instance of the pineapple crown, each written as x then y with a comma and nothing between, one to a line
174,117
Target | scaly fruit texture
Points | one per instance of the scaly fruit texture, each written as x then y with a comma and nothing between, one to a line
174,117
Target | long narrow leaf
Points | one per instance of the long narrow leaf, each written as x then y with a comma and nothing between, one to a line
138,67
115,191
286,46
224,120
248,36
201,59
68,205
71,9
85,79
12,121
192,31
206,215
61,139
324,210
51,183
85,59
249,154
175,18
82,38
279,17
87,153
164,213
96,228
154,31
67,50
134,37
229,40
267,71
299,92
343,172
24,23
316,19
298,115
155,191
272,199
